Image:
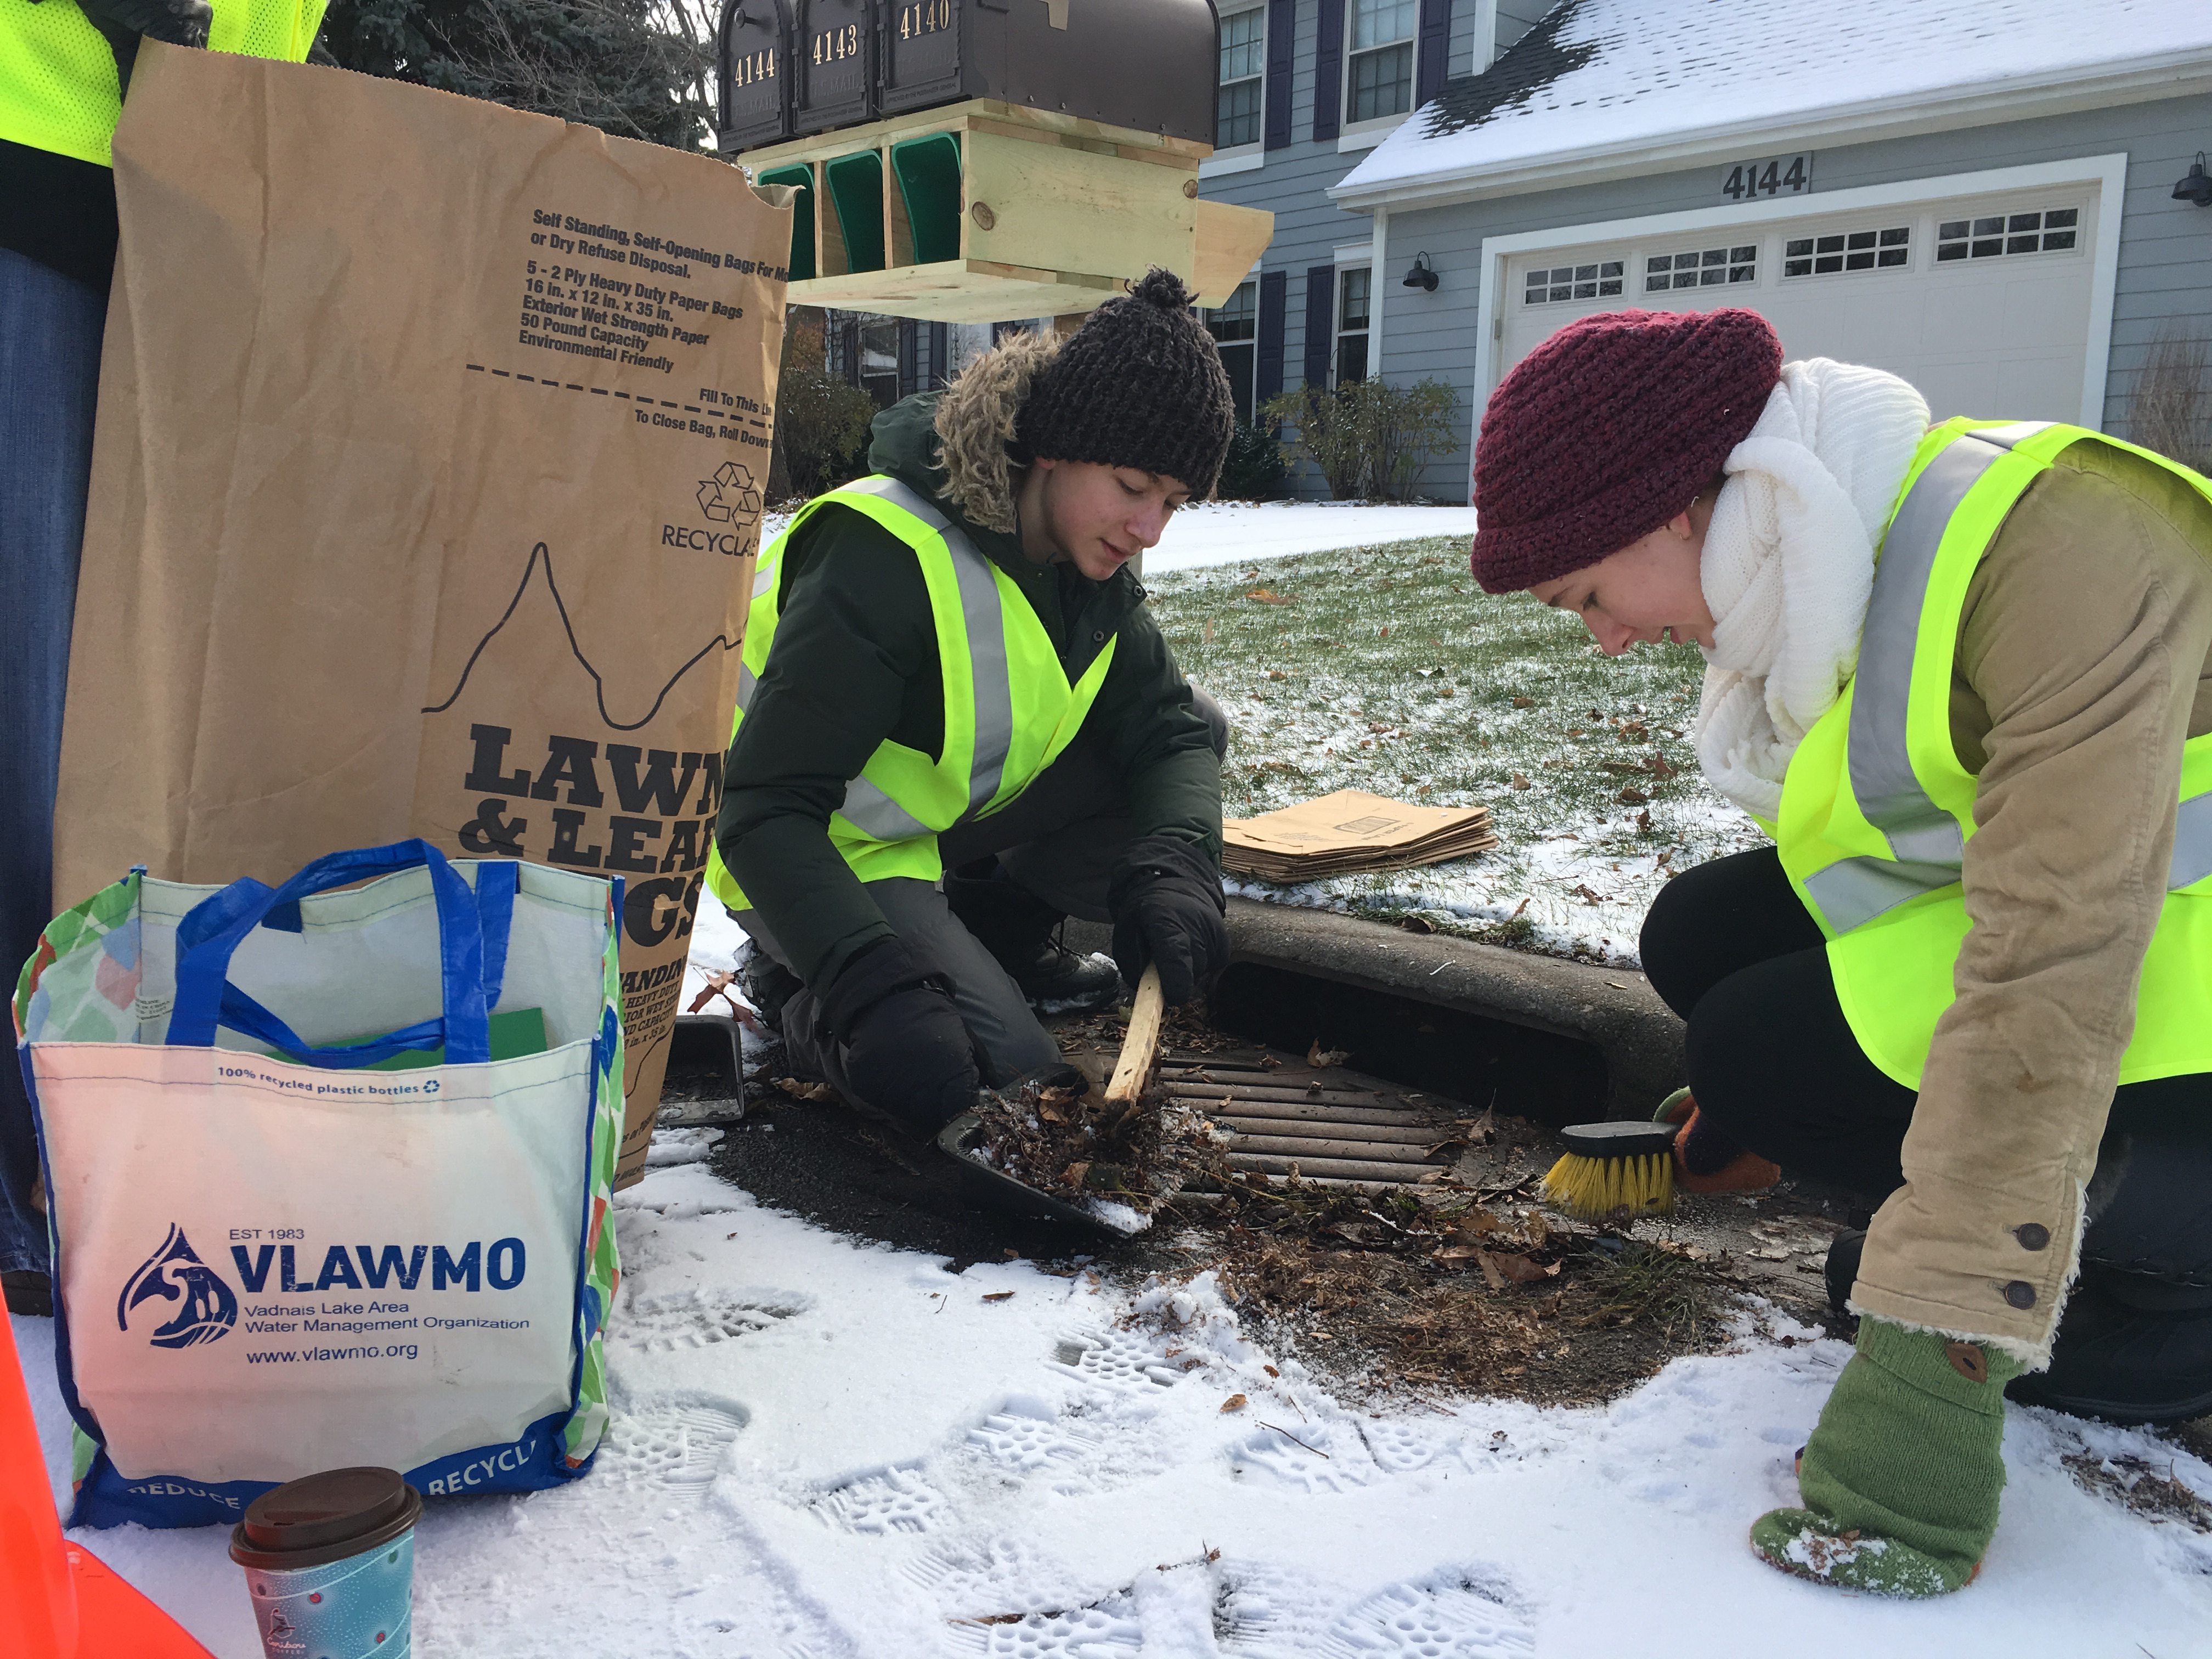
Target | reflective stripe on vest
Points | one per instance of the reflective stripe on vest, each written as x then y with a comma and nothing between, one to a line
1876,810
879,833
58,87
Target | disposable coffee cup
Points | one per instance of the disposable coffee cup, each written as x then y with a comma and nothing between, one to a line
330,1563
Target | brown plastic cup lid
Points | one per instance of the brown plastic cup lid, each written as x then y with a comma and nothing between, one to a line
324,1518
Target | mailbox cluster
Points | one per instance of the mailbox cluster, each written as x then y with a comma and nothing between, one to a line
791,69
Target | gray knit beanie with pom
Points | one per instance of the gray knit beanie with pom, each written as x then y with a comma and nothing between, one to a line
1139,384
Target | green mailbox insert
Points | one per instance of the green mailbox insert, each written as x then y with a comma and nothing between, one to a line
928,170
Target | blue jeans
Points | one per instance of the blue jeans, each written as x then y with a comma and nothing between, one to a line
50,333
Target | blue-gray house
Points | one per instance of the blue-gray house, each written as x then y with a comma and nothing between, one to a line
1979,195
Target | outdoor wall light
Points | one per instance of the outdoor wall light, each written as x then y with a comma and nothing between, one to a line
2195,187
1423,276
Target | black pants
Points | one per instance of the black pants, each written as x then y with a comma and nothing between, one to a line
1775,1068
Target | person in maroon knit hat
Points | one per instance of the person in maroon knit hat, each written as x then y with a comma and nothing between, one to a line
1959,672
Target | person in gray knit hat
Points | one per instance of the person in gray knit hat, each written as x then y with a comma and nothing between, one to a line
959,725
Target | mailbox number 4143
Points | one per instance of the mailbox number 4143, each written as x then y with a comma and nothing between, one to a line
832,44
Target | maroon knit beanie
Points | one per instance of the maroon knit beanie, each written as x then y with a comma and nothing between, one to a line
1607,430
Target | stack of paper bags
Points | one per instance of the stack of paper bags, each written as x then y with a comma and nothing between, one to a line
1351,830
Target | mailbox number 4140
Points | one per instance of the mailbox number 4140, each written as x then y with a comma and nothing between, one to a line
927,18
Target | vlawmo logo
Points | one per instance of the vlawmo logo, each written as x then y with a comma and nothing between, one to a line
201,1306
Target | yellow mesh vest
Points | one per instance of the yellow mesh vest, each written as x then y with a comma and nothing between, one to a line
1009,710
58,90
1876,810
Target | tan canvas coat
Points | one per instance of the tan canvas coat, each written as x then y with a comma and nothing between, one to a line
2084,662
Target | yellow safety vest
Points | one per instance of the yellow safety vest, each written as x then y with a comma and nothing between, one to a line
1876,810
1009,710
58,90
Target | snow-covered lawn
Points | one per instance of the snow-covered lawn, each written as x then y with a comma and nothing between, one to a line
825,1450
1383,667
1221,532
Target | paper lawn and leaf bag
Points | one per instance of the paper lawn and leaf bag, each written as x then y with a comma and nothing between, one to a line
327,1173
425,495
1351,830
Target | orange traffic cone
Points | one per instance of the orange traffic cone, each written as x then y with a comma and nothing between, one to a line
58,1599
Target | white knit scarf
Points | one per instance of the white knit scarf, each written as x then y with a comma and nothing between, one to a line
1789,565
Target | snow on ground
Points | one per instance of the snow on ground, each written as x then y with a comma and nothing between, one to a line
1224,532
823,1447
1221,532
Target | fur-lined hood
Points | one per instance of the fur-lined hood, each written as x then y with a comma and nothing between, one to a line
974,422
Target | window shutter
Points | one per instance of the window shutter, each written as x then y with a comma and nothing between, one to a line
1282,32
909,366
1329,73
1432,45
1321,322
1267,366
939,349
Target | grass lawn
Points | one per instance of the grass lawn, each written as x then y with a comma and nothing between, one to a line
1385,668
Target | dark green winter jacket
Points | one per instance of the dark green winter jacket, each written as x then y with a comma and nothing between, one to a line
855,662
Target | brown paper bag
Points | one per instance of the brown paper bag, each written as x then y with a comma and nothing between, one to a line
425,496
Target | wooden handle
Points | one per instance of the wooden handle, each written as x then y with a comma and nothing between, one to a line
1141,1046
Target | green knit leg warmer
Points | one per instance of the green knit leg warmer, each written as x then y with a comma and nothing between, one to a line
1900,1479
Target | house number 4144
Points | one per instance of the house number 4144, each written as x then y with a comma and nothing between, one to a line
1777,175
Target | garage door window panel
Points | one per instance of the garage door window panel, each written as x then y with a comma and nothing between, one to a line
1835,253
1998,235
1600,279
1707,267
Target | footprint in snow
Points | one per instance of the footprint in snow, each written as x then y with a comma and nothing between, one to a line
1315,1457
1398,1447
1106,1630
1117,1360
1426,1621
1024,1440
694,1318
891,1500
679,1447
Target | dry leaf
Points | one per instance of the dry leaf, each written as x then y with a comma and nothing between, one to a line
1236,1402
1271,1370
1001,1296
799,1090
1524,702
1488,1263
1631,796
1520,783
1521,1270
1267,597
1322,1059
1073,1174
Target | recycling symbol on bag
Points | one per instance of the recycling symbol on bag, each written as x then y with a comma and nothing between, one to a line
729,498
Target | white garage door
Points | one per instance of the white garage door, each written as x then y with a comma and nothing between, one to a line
1983,302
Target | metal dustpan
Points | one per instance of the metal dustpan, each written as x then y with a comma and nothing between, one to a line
990,1186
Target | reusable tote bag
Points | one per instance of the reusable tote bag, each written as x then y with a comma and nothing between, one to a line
327,1175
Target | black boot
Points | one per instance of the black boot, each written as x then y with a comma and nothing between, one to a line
1845,1252
768,985
2129,1349
1022,933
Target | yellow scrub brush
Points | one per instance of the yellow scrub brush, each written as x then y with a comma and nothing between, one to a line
1610,1168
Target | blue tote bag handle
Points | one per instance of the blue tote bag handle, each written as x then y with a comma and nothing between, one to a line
468,926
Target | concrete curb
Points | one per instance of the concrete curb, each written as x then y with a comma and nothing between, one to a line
1614,1010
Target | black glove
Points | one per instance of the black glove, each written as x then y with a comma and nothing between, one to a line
906,1053
181,23
122,22
1166,899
